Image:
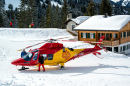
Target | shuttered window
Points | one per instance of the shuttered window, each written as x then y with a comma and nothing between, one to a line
94,35
124,35
88,35
81,35
110,35
115,35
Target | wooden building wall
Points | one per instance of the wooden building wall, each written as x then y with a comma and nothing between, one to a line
126,28
86,39
112,41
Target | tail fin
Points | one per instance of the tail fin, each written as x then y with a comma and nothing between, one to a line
98,45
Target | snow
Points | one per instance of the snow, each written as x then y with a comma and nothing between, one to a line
112,70
98,22
80,19
123,2
55,4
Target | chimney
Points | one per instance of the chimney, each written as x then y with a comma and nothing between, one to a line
69,16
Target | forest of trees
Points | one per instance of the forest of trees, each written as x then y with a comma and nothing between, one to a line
45,15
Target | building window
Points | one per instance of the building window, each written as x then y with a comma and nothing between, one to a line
129,33
115,49
127,47
84,35
73,26
124,48
99,35
110,35
121,49
115,35
109,48
92,35
124,34
121,34
68,16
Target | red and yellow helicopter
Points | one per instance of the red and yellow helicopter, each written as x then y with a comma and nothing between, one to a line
55,53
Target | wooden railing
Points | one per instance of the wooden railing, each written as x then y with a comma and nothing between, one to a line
110,43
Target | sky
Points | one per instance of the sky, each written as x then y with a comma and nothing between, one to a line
15,3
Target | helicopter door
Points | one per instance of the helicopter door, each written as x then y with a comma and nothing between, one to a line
34,61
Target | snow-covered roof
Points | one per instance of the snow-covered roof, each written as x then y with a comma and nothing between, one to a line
99,22
80,19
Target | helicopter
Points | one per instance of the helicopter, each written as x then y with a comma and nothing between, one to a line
55,53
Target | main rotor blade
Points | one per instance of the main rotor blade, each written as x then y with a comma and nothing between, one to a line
80,41
31,46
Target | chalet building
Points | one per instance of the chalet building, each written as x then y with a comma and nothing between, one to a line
71,23
116,30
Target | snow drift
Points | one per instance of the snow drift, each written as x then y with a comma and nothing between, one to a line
112,70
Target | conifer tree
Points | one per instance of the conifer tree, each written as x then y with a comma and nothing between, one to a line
56,18
34,12
105,7
22,15
48,16
90,8
1,20
42,23
64,11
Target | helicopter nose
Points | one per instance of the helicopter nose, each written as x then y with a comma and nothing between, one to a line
17,61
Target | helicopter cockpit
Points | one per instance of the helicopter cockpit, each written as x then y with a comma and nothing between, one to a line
28,57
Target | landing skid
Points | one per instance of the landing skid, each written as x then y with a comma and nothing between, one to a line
61,68
23,68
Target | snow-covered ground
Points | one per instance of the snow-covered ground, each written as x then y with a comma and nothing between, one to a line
112,70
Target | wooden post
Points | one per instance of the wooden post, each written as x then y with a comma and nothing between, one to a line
119,35
96,36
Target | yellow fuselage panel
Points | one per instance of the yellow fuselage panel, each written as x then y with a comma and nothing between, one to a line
62,57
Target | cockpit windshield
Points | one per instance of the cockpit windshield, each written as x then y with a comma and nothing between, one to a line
28,57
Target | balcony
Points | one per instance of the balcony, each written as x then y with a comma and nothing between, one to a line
110,43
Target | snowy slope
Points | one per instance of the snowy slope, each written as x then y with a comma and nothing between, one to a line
112,70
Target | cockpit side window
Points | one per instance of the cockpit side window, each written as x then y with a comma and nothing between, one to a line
35,56
45,56
50,56
28,57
